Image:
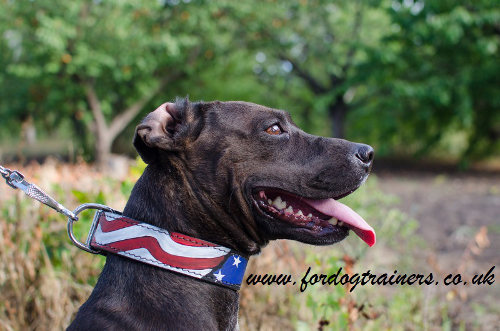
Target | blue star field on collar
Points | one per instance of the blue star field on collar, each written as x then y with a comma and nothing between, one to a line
231,272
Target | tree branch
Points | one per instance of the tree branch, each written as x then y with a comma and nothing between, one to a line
121,121
95,107
316,86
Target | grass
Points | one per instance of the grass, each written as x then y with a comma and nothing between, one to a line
44,279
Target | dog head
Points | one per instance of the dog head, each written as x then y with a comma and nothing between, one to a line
258,170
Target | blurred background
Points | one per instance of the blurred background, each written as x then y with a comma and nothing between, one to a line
417,80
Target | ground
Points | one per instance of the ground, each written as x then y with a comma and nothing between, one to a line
459,215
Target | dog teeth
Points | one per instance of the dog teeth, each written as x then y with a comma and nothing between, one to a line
289,209
341,223
299,213
310,215
269,201
280,204
333,221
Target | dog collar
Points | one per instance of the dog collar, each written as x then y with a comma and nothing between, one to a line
117,234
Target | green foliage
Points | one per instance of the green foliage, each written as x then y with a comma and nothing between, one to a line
308,51
325,305
121,50
436,75
407,76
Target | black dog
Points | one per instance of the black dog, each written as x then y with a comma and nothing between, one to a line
232,173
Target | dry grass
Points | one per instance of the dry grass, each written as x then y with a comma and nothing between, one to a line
36,294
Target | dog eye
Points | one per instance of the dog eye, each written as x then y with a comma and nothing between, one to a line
274,129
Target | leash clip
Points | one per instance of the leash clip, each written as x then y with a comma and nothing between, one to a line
86,246
16,180
13,178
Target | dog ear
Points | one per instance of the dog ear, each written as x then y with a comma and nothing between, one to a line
156,131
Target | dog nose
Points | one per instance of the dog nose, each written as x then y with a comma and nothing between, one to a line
365,154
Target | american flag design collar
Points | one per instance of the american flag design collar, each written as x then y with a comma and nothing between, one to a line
117,234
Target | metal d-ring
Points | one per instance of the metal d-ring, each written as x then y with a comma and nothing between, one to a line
86,247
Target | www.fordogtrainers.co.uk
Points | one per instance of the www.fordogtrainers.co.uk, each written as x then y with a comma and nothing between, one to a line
369,278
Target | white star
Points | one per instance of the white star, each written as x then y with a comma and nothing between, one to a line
236,261
219,276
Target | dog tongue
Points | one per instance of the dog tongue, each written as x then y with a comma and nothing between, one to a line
345,214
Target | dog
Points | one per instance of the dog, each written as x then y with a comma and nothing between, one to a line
236,174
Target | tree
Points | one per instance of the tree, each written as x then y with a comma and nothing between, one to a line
321,43
101,63
437,77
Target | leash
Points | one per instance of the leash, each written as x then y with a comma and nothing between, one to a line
16,180
111,232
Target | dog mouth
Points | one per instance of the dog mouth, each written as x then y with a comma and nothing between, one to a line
320,217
